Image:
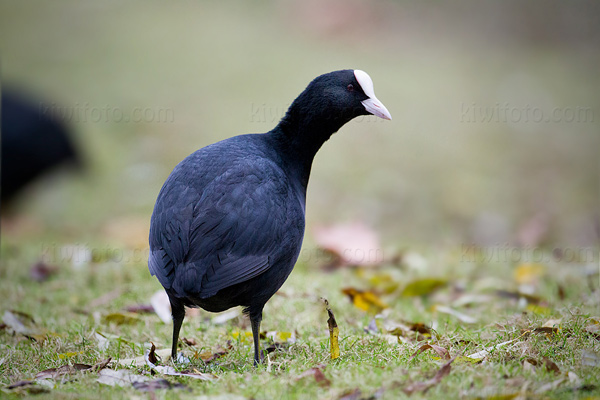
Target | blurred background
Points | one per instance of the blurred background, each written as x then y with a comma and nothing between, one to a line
495,138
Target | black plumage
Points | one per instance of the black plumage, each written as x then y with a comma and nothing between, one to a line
33,143
228,223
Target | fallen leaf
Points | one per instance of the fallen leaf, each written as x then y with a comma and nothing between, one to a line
209,356
484,353
118,318
450,311
152,355
24,324
528,273
334,332
382,281
426,385
162,306
100,365
471,299
140,309
318,374
467,360
102,340
365,300
529,364
353,244
410,330
120,377
423,287
189,341
152,362
53,373
519,295
19,322
19,384
69,354
551,366
551,386
443,353
157,384
560,291
373,327
537,309
105,298
354,394
41,271
242,336
141,360
279,337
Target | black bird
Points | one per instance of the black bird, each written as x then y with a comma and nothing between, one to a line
228,223
33,143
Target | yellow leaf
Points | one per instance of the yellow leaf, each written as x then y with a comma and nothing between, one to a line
334,333
528,273
69,354
467,360
423,287
537,309
385,282
365,300
244,337
121,318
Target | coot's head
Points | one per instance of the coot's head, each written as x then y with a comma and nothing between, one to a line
326,104
337,97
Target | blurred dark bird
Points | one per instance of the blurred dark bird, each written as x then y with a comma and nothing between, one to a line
228,223
33,143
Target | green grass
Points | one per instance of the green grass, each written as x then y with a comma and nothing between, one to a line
371,362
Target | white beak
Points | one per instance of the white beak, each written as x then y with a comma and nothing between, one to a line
372,104
375,107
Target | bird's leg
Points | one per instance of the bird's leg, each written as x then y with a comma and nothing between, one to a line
255,318
178,313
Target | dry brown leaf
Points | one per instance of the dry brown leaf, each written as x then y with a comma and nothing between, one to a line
551,366
318,374
157,384
354,394
426,385
443,353
531,299
365,300
53,373
209,356
189,341
411,330
20,384
353,244
41,271
152,355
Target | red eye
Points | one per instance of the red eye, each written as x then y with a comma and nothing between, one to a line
350,88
